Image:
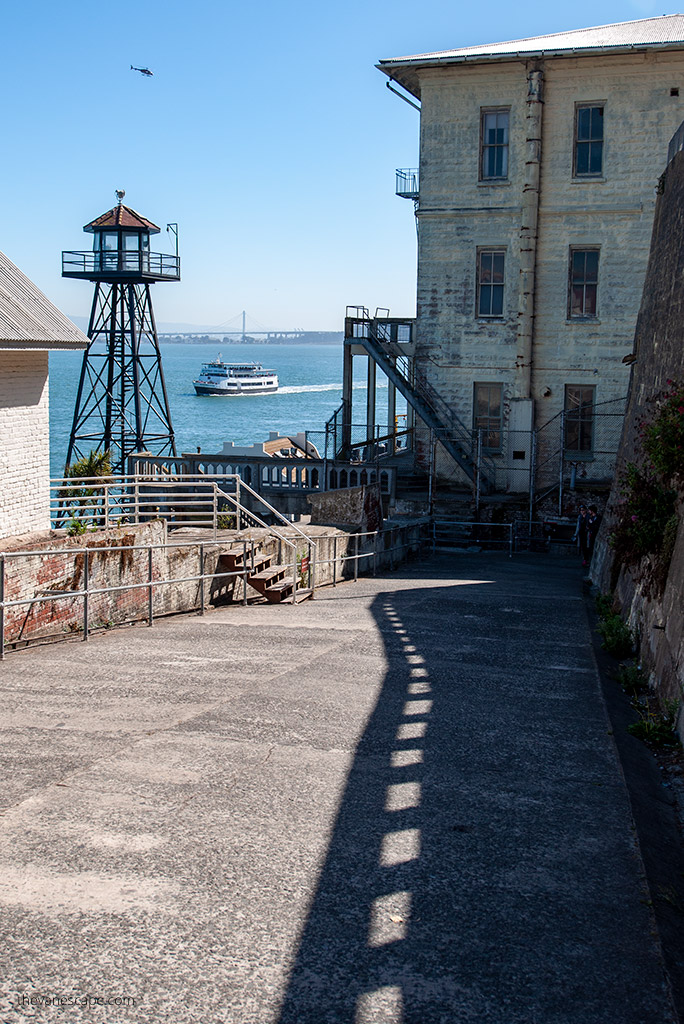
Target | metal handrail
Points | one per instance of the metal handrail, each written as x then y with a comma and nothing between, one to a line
121,261
88,592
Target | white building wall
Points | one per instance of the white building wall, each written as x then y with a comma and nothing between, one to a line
457,214
25,442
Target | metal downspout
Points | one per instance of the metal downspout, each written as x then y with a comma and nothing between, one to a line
528,233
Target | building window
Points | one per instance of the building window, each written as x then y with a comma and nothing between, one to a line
490,282
579,419
487,413
588,141
494,145
583,282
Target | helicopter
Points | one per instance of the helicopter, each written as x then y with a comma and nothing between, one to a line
143,71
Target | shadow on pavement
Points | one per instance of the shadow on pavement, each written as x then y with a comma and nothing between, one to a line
469,877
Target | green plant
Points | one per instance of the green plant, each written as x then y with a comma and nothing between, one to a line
225,521
604,605
642,515
632,678
76,526
616,635
663,438
81,501
657,728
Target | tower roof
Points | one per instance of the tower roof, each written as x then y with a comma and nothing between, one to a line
121,216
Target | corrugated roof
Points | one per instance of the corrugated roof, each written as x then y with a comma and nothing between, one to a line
27,318
121,216
646,32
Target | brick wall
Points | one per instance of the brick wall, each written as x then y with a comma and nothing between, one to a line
24,442
62,566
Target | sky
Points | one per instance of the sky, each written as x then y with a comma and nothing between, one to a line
266,133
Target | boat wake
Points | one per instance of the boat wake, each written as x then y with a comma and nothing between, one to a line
301,389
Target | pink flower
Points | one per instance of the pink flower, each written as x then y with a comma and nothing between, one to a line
634,519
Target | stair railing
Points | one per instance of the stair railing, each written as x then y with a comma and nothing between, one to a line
451,426
310,544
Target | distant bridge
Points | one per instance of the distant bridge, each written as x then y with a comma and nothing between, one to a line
268,335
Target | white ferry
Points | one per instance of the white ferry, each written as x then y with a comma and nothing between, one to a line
219,378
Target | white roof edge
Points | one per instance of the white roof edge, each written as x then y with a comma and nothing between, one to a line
666,31
28,320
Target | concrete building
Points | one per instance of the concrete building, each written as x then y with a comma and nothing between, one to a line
539,165
30,327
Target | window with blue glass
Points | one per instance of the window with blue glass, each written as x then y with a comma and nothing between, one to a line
588,141
494,144
490,282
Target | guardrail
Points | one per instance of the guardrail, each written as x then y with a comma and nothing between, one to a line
463,533
396,540
154,264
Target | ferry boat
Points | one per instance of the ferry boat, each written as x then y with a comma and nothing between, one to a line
220,378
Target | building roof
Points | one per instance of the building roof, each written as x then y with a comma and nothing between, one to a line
664,32
121,216
28,320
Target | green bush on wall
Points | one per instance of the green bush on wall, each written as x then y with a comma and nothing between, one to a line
663,439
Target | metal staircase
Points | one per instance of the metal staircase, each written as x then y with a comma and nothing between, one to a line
375,336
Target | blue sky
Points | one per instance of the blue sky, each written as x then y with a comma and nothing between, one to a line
266,133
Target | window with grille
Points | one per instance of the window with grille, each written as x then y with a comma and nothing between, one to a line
490,282
588,141
494,144
579,418
487,414
583,289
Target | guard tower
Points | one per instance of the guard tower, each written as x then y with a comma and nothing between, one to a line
121,404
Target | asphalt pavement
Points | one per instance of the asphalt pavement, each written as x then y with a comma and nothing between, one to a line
397,804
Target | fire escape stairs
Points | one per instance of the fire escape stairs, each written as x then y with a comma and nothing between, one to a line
428,404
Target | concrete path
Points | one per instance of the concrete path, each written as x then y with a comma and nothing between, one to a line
398,804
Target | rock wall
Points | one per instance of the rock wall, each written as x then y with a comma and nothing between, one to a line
659,348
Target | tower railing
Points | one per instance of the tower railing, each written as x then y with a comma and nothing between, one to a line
137,264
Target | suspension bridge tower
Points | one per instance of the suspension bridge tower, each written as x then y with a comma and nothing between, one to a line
121,403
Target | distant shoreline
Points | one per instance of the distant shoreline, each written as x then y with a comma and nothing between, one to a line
314,338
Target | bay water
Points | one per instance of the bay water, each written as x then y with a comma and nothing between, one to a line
310,390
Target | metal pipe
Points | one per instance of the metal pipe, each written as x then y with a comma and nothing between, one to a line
528,233
335,560
2,607
201,582
150,592
402,97
244,573
86,587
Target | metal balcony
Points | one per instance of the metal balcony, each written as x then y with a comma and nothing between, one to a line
121,265
407,182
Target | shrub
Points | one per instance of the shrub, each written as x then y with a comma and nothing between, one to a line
663,438
616,635
604,605
632,679
657,728
642,516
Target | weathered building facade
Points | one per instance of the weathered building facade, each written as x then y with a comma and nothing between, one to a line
30,326
539,163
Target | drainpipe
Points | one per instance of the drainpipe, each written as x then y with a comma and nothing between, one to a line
528,233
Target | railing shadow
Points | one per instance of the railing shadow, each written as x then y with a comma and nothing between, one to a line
479,866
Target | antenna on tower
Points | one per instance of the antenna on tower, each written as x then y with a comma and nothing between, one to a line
120,193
